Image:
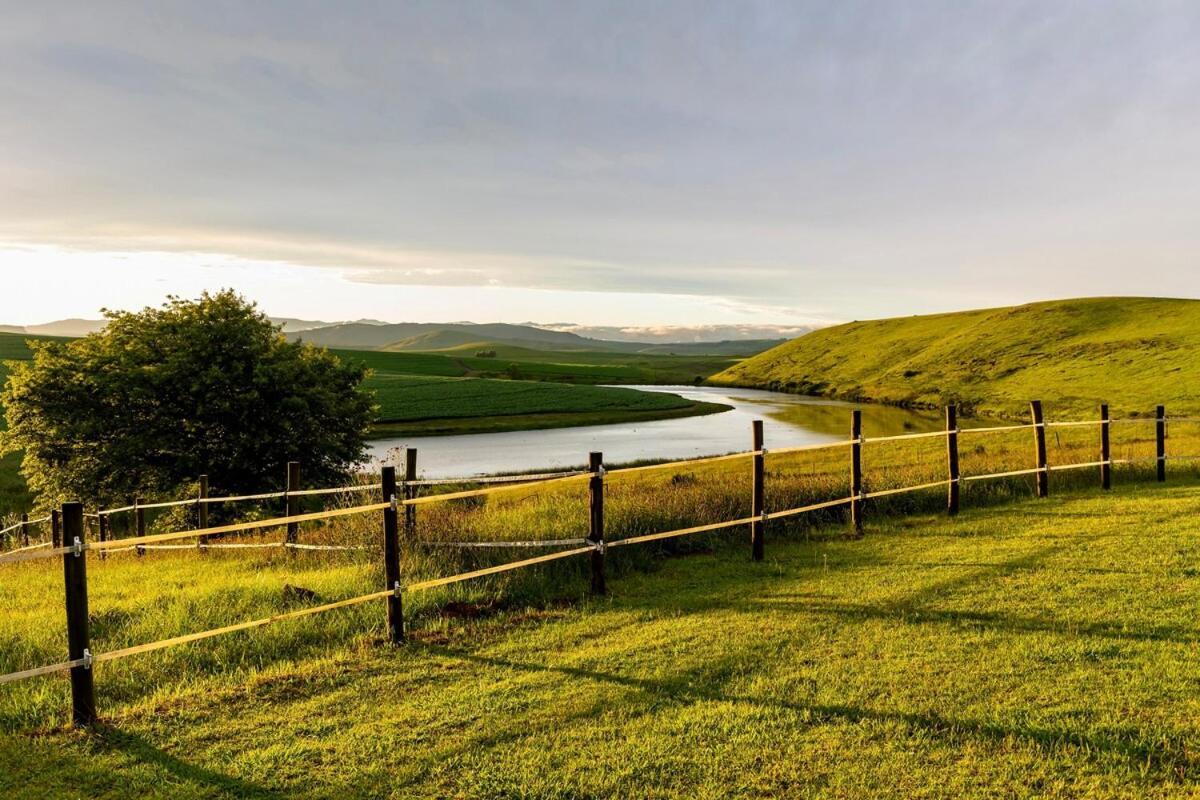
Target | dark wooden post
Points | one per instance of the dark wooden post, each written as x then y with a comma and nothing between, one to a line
83,693
1105,448
1039,441
410,491
202,509
1160,430
757,500
596,521
952,459
25,530
103,525
856,480
139,520
293,500
55,529
391,558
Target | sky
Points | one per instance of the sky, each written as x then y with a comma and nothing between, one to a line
598,163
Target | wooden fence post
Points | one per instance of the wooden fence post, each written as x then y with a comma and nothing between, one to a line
856,481
83,693
292,501
952,459
102,521
1160,431
139,520
596,521
202,509
55,528
1105,448
758,498
25,530
391,558
1039,441
410,491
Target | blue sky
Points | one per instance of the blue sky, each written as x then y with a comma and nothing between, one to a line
604,163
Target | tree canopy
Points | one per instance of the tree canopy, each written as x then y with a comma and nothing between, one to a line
161,396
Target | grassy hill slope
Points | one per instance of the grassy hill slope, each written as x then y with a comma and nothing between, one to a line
1130,352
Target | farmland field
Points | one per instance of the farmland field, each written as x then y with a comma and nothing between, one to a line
1036,648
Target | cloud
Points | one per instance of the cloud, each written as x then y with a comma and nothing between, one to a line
831,159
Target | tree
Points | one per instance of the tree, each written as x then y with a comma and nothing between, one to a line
160,396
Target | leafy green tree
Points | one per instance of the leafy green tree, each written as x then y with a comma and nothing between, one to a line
207,386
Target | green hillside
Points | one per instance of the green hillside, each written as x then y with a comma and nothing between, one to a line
1130,352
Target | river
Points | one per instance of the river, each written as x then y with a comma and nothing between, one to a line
788,421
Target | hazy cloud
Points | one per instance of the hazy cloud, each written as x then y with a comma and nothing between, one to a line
840,157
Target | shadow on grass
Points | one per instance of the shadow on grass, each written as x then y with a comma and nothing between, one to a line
984,619
1170,759
135,747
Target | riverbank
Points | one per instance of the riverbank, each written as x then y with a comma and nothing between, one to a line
504,423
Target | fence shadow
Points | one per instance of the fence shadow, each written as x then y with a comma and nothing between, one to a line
1169,759
113,740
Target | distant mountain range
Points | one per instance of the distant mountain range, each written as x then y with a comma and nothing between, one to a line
673,334
63,327
369,334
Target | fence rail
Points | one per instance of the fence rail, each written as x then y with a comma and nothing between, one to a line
402,495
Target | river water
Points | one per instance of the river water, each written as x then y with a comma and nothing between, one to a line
788,421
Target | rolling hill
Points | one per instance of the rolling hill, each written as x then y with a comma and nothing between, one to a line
369,334
425,335
1130,352
431,337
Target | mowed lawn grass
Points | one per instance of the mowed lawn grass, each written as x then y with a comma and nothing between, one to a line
1032,649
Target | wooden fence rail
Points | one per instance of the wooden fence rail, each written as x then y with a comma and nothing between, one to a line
69,538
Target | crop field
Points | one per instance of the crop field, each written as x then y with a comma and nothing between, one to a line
1024,649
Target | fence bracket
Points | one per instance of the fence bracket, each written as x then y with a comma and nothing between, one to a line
77,548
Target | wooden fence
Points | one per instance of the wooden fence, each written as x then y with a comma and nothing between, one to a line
74,547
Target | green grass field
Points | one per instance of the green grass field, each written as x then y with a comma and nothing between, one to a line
544,365
420,404
1030,649
1132,353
